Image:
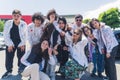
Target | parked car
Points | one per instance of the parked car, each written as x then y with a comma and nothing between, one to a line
2,41
117,35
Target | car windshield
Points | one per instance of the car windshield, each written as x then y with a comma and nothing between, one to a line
117,35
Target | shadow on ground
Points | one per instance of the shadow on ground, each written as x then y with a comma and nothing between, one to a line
58,77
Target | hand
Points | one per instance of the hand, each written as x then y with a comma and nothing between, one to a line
69,28
91,36
65,48
103,51
62,33
50,51
22,48
10,48
55,47
108,55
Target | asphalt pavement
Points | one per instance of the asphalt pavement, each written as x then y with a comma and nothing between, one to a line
86,76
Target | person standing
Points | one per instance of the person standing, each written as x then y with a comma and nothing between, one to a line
107,45
78,22
14,39
94,54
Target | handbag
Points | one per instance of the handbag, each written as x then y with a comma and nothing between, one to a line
72,69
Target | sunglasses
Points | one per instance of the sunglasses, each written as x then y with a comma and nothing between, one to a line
76,33
78,20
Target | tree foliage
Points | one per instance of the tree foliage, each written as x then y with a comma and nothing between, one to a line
86,21
111,17
1,25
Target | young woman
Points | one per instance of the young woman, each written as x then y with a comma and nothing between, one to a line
35,65
76,47
108,45
61,49
94,55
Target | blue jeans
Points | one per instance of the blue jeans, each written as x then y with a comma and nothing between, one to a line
98,61
51,71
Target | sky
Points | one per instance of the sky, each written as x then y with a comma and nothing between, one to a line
88,8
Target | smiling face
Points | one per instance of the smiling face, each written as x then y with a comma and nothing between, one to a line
96,24
44,45
78,21
37,22
77,34
61,24
87,31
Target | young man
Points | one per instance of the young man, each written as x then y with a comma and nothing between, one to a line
14,39
78,22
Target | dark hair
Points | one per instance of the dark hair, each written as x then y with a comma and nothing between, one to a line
78,16
37,50
62,19
90,23
38,16
87,28
16,12
52,11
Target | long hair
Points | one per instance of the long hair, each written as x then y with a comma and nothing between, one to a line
49,27
36,49
87,28
80,34
93,19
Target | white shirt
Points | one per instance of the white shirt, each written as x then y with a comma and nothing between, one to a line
74,26
8,25
77,50
34,33
107,37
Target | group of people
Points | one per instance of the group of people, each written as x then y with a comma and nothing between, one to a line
41,45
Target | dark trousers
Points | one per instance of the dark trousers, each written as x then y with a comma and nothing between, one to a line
110,68
98,61
10,57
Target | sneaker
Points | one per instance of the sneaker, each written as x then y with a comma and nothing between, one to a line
29,78
7,74
93,75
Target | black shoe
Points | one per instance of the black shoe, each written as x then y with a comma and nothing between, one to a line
103,77
7,74
93,75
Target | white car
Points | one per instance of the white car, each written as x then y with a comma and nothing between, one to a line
2,41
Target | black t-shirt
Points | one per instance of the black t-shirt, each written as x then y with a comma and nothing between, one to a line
14,34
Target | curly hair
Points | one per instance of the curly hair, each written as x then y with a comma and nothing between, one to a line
38,16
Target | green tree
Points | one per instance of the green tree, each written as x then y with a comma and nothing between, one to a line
111,17
86,21
1,25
